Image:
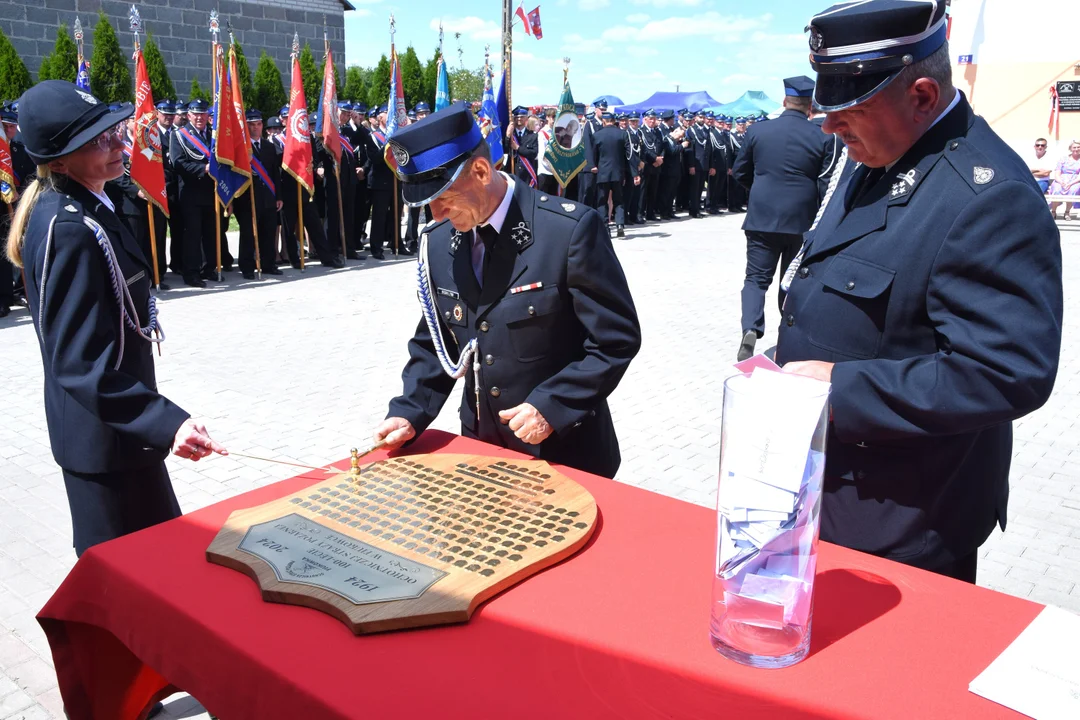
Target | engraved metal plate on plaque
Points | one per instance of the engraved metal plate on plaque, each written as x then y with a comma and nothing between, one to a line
307,553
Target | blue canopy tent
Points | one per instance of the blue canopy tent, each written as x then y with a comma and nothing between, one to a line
753,102
611,100
673,101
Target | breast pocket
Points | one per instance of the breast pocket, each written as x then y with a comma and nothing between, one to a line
530,319
849,317
453,311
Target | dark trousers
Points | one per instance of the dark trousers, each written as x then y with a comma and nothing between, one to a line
650,192
333,224
412,228
717,193
110,505
632,194
736,196
384,226
362,213
266,224
314,234
682,192
665,197
587,188
548,184
200,242
176,235
141,230
764,251
615,188
695,183
572,190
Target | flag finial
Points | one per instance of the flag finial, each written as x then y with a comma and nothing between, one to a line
134,19
296,44
215,26
78,29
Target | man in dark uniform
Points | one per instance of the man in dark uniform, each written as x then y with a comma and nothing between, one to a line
781,161
587,184
698,155
671,169
641,158
611,158
525,145
718,165
528,281
264,182
736,193
189,152
314,231
339,210
358,134
412,225
275,138
166,119
929,294
653,142
384,224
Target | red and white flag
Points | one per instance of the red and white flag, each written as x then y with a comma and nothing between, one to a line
297,157
147,170
534,23
520,12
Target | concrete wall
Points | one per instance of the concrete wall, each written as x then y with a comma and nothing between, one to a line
181,30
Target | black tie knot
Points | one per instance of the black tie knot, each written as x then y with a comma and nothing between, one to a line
487,236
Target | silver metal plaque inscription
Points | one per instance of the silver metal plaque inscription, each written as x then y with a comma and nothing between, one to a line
304,552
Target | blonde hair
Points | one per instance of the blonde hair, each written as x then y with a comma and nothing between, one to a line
17,234
531,123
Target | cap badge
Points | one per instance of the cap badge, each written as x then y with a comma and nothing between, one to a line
401,155
521,235
90,99
568,207
817,40
983,175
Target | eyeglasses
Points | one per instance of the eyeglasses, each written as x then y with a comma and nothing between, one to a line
104,141
1040,144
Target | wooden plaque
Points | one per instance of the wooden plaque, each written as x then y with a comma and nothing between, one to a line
409,541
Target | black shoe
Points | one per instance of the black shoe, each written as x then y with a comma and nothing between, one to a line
194,282
353,255
295,265
226,267
272,271
335,263
407,251
380,256
208,275
248,274
620,232
4,310
163,286
746,347
652,218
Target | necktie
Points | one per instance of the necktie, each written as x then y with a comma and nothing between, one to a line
256,147
869,180
481,251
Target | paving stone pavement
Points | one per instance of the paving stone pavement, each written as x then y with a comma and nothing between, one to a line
301,369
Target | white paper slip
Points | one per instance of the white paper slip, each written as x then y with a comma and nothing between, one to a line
743,492
1039,673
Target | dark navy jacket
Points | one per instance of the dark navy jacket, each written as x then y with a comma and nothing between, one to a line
781,159
100,419
610,155
938,296
562,347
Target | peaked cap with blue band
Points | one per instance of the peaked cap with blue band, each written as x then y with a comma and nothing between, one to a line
429,155
800,86
858,48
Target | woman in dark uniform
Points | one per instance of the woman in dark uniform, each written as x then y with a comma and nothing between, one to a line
88,287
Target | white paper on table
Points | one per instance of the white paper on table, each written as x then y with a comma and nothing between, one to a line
749,611
1039,673
739,491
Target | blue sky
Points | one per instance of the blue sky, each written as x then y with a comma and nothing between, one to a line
628,48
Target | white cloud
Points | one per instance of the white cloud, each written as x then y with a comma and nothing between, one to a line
637,19
713,25
359,13
593,4
471,27
669,3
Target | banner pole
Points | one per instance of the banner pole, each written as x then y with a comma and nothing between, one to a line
300,221
255,232
215,92
153,244
341,212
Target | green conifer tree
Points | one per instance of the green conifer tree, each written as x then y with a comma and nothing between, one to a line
110,78
312,77
431,80
14,77
63,63
246,86
268,94
161,85
354,89
196,92
379,87
412,78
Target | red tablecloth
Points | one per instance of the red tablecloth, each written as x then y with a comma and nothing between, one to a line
619,630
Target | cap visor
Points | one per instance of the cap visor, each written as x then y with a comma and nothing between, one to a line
103,123
839,92
417,194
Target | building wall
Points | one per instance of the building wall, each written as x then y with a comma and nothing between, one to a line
181,30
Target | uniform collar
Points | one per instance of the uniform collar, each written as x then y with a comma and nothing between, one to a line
498,218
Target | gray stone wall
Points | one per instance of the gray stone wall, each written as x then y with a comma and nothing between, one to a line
181,30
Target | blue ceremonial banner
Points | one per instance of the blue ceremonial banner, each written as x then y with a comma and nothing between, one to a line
490,124
228,182
442,87
502,103
395,111
82,80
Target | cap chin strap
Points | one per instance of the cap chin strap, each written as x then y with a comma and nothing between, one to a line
428,307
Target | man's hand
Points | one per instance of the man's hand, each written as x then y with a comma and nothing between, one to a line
712,171
394,432
659,162
693,171
729,171
811,368
527,423
319,172
141,196
278,204
637,180
360,173
192,442
207,170
593,171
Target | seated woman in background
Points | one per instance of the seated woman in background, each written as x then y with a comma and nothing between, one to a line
1066,179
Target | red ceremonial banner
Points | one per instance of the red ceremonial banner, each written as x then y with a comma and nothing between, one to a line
297,158
330,117
241,141
8,184
147,170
